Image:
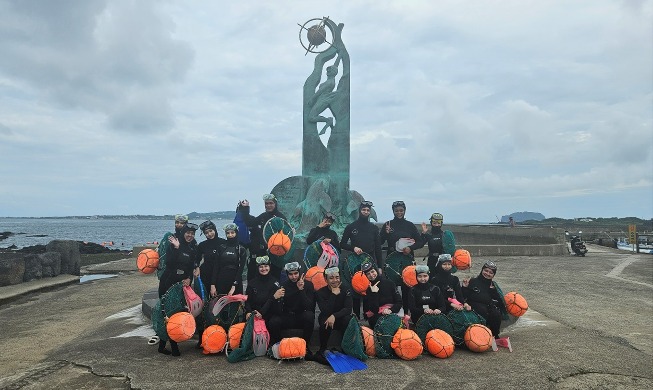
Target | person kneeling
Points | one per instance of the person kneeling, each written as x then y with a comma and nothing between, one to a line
382,297
425,298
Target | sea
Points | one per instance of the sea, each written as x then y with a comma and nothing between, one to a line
121,234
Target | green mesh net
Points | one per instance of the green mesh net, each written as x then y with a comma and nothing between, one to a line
173,301
384,331
352,263
460,321
352,340
232,313
275,225
245,350
312,254
394,264
162,249
428,322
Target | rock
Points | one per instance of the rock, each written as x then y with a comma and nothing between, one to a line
4,235
11,270
70,257
50,264
33,267
32,249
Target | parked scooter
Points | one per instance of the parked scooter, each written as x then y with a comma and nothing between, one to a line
578,246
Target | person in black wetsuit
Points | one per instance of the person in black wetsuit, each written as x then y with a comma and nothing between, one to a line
381,298
323,232
363,236
258,247
297,306
439,241
425,298
228,274
334,302
482,295
449,284
208,253
180,221
180,267
263,292
395,229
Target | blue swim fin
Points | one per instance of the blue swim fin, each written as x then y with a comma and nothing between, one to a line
354,363
339,365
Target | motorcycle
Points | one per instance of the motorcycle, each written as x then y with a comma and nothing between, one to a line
578,246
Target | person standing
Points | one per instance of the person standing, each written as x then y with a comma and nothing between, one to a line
439,241
362,236
181,267
323,232
258,246
228,274
208,254
400,228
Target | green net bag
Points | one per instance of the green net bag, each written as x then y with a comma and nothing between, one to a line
275,225
173,301
245,350
352,340
394,264
428,322
384,331
352,263
232,313
460,321
162,249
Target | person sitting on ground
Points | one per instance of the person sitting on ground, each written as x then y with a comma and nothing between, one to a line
439,241
334,302
400,228
228,274
449,284
258,247
181,267
381,298
323,232
263,292
425,298
297,306
484,297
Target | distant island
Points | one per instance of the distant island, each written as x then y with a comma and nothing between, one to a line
523,216
192,216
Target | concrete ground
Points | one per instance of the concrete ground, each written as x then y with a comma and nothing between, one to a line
588,327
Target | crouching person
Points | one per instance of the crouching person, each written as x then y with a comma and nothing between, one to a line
335,303
297,306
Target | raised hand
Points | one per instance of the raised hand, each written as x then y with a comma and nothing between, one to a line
375,288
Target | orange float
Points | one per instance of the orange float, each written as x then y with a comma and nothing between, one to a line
315,275
409,276
368,340
516,304
478,338
181,326
360,282
461,259
439,343
147,261
214,339
279,244
406,344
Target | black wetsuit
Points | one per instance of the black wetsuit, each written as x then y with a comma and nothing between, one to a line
229,270
209,250
318,233
449,285
297,312
180,264
387,294
363,234
425,294
337,305
485,300
400,228
258,247
260,296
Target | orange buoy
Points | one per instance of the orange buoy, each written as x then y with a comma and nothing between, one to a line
516,304
315,275
214,338
461,259
478,338
181,326
439,343
407,344
409,276
147,261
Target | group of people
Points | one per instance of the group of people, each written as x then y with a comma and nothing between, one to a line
285,300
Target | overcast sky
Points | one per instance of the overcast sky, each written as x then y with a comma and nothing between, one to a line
474,109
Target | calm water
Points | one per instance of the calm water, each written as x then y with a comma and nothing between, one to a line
125,233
